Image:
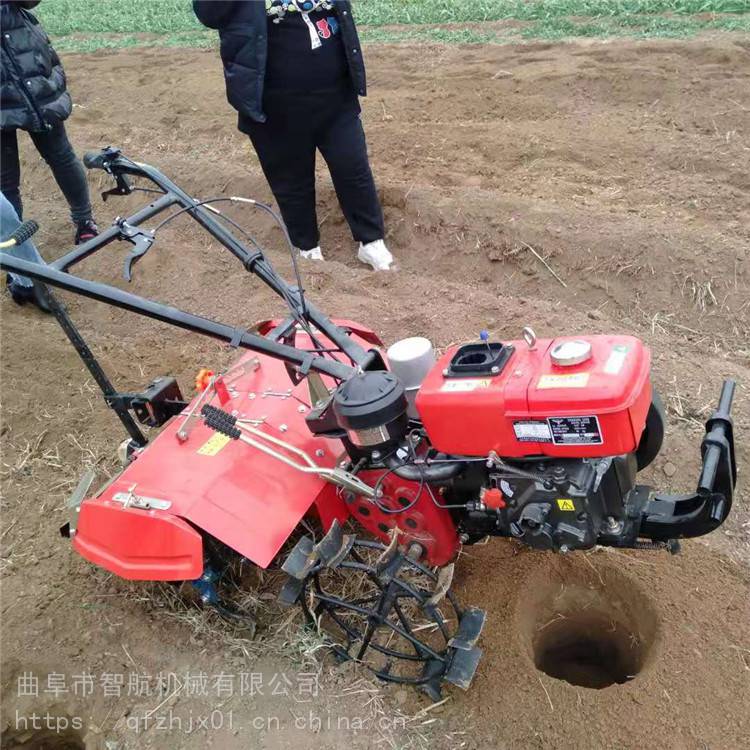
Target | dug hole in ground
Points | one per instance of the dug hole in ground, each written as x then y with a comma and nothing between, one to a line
626,166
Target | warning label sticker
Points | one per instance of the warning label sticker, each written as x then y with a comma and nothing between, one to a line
462,386
565,503
575,430
532,432
572,380
213,445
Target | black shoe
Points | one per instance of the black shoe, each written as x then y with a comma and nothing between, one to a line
19,294
86,230
31,294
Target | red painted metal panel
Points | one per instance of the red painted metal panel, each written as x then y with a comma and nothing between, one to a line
473,416
418,520
143,545
248,500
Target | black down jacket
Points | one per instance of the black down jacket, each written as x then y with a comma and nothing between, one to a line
33,94
242,26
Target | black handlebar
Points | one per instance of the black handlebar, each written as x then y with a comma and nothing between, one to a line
57,273
719,472
100,159
726,397
702,511
113,161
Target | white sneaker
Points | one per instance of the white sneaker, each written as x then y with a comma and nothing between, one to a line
375,254
315,254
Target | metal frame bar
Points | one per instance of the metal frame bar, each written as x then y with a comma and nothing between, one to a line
178,318
252,260
110,393
84,250
57,274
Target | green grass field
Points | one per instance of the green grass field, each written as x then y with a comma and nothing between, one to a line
81,25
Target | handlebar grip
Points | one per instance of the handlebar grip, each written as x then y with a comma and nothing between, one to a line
22,233
99,159
94,159
25,232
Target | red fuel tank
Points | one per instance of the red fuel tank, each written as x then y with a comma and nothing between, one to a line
574,397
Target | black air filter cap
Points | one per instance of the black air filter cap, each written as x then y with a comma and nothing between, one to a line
370,399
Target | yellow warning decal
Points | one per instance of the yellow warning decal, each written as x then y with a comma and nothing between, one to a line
564,503
213,445
574,380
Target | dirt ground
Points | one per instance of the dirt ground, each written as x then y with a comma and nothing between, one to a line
626,166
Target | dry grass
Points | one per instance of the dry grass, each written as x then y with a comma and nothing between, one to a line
283,634
685,409
701,292
47,445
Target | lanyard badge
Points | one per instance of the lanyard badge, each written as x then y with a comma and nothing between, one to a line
314,38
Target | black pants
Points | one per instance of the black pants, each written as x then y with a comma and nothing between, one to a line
299,125
54,147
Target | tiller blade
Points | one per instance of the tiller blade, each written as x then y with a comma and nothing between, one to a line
73,506
385,610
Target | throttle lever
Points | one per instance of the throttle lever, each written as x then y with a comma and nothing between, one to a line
122,187
103,159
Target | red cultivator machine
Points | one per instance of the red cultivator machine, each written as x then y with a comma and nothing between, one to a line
397,459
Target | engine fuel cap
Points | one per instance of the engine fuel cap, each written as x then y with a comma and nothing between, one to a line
570,353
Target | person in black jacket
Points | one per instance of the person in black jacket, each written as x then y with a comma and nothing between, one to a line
294,71
34,97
